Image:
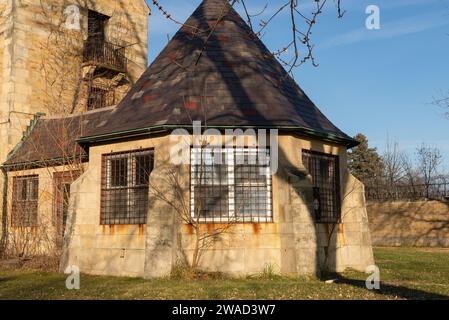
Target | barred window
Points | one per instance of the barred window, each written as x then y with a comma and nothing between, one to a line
324,169
96,24
100,98
231,184
125,187
25,201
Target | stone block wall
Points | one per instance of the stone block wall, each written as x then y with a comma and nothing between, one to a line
292,244
41,59
409,223
103,249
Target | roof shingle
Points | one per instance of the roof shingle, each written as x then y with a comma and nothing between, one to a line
53,140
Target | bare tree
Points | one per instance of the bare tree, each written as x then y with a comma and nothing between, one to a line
393,159
302,18
429,159
412,176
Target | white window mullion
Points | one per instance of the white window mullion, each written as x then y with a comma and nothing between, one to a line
193,179
129,183
108,174
269,182
230,167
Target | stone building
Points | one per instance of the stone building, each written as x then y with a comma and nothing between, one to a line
62,58
124,211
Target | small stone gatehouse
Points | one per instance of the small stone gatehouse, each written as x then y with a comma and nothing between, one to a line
307,216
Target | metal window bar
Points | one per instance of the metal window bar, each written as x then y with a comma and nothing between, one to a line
25,201
252,185
100,98
225,189
324,169
125,187
96,24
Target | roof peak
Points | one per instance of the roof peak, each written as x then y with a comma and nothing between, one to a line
216,70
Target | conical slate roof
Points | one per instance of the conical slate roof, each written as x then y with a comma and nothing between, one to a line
217,71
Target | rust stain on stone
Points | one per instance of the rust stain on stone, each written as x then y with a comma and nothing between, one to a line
189,228
256,228
111,229
210,228
141,229
122,229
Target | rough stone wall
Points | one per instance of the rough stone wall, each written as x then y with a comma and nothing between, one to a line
402,223
41,60
7,17
46,57
6,85
4,13
292,244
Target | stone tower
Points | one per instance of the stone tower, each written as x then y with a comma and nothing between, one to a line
66,56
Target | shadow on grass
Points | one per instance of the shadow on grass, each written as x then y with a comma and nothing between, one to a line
8,278
392,290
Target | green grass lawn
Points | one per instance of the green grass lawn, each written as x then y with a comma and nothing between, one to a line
405,273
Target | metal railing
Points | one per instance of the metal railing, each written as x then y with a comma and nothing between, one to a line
100,98
439,191
100,52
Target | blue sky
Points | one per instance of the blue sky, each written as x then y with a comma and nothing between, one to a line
378,82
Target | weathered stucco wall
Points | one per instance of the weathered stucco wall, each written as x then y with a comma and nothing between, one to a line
292,244
401,223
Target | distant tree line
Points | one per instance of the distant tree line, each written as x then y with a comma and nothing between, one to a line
395,173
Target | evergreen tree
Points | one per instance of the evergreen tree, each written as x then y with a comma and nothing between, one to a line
365,163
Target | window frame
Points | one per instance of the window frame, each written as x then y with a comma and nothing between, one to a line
30,205
126,218
325,217
232,212
101,20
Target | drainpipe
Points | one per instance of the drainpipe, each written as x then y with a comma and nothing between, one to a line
39,114
4,237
